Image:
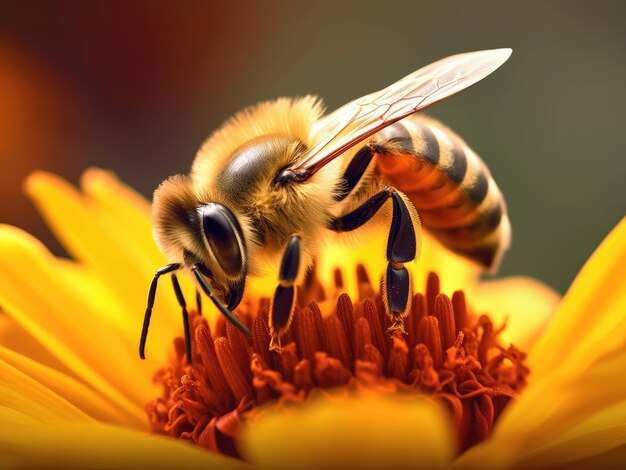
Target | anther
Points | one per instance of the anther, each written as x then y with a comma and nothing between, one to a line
418,311
432,339
460,309
337,344
206,348
305,330
432,291
362,337
371,314
235,377
345,313
261,338
445,315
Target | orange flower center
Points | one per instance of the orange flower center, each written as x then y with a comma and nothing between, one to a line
448,353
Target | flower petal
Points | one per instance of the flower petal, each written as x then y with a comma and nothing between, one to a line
99,241
33,292
108,230
595,437
526,305
588,358
38,428
592,311
367,431
82,397
14,337
23,395
94,445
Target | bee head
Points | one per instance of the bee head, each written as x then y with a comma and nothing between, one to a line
193,232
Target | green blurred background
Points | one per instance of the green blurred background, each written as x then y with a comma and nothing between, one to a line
137,86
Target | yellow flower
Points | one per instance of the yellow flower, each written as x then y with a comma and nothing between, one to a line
72,391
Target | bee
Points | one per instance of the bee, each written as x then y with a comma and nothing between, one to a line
278,177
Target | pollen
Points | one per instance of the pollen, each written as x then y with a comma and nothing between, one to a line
448,353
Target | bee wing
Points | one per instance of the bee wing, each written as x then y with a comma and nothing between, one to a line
356,121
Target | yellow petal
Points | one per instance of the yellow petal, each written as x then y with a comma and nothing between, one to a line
612,459
32,292
553,406
39,429
23,395
455,272
100,242
592,314
594,439
108,230
588,361
13,336
526,305
82,397
367,431
84,445
127,215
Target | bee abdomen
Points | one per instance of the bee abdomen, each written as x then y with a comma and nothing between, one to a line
451,188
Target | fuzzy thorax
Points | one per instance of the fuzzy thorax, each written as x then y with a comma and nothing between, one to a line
236,167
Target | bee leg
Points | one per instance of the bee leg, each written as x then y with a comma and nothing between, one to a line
401,248
284,299
183,305
356,169
151,295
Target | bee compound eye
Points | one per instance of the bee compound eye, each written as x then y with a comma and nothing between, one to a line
223,235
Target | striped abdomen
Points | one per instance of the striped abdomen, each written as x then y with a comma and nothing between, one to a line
457,199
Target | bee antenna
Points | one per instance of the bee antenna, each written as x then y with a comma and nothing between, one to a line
183,305
151,296
198,270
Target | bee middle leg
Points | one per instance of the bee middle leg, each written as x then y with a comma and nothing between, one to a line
284,300
401,248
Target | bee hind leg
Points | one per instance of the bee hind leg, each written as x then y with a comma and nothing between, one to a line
284,300
402,247
397,287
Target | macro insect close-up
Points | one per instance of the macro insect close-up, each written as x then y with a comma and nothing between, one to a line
220,247
270,182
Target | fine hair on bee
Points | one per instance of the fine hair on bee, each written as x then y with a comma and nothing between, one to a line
276,179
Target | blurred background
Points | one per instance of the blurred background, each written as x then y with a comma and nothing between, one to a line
137,86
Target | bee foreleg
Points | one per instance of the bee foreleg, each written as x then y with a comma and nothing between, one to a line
401,248
183,305
151,295
284,299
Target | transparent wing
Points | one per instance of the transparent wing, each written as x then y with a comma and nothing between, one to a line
356,121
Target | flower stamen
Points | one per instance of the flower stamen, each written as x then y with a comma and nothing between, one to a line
447,353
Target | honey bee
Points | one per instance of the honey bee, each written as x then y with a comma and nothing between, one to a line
276,178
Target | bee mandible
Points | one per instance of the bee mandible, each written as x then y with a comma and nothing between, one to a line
268,185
